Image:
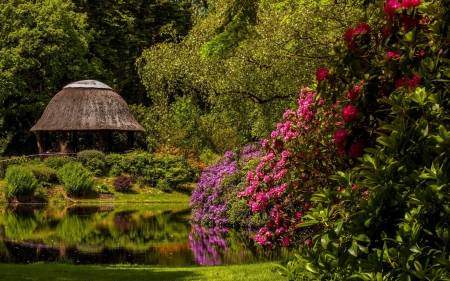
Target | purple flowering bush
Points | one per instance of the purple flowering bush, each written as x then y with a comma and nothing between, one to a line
214,195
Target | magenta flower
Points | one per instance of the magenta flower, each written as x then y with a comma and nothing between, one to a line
392,55
410,3
391,6
286,241
356,150
354,93
321,74
348,36
308,242
340,136
349,113
422,53
361,28
341,151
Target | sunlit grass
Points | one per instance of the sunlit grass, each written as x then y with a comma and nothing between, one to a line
54,271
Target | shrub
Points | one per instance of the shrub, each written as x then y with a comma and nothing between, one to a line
86,155
95,166
213,196
163,185
56,162
116,170
44,175
20,182
75,178
102,188
114,159
122,183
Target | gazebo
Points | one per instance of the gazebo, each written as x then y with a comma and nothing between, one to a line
86,106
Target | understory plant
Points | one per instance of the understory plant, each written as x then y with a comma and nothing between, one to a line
387,218
75,179
20,182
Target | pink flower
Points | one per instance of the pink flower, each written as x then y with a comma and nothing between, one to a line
321,74
410,3
308,242
340,136
361,28
392,55
349,113
349,35
391,6
336,104
408,23
307,206
407,82
354,93
341,151
422,53
274,134
286,241
356,150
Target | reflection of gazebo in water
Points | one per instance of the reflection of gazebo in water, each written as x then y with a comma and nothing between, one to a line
86,106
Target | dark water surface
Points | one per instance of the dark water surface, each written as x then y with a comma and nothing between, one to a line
149,234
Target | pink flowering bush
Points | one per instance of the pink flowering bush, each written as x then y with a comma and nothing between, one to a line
387,217
300,156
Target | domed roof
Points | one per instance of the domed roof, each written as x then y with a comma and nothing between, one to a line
87,105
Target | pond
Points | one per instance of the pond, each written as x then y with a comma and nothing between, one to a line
157,234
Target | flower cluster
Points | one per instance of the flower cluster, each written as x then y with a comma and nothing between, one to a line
209,200
362,28
407,82
321,74
280,190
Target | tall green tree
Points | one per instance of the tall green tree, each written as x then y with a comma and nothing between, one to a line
242,63
122,30
43,46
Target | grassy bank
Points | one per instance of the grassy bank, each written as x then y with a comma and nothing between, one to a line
54,271
56,195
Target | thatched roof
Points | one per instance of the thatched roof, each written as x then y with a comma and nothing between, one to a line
87,105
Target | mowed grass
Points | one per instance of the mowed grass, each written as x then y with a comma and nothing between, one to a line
55,271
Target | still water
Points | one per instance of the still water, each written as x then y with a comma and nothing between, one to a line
156,234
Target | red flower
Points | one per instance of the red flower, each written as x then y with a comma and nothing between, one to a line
392,55
361,28
410,3
340,136
391,6
351,46
356,150
408,23
348,36
354,93
407,82
321,74
349,113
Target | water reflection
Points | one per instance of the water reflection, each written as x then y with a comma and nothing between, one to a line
136,234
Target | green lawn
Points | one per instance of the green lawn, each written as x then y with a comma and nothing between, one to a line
50,271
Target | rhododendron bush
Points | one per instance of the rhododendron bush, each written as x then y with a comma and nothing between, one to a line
387,217
299,157
214,195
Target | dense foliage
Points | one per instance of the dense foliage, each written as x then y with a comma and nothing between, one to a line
229,79
388,217
75,179
20,182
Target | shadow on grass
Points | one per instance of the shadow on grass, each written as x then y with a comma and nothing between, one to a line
81,272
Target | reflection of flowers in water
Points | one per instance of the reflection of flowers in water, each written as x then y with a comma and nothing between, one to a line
207,244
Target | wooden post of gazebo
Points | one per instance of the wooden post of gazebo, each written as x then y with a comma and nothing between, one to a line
41,144
63,142
130,140
100,141
109,141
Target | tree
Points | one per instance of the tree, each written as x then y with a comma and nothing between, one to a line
248,80
42,48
